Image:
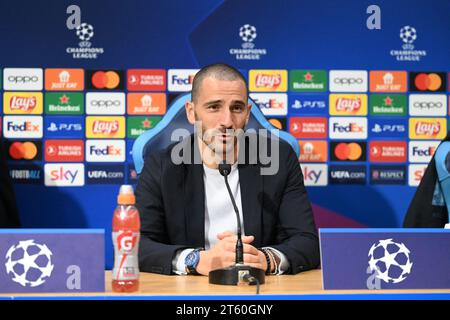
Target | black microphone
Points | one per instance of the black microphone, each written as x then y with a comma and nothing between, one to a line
239,272
225,170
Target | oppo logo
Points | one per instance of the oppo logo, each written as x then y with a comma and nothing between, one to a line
348,81
427,105
23,79
105,103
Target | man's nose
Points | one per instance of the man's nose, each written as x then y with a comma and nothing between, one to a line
226,119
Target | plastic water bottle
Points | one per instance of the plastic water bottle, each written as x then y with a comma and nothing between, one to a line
126,233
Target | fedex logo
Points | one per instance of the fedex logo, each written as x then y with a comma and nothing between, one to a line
180,80
315,174
22,127
422,151
105,151
348,128
64,175
271,104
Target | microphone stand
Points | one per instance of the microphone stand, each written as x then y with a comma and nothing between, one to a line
239,272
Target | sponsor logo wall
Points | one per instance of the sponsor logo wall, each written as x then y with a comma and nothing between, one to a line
70,127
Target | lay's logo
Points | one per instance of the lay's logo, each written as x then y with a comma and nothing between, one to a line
105,127
23,103
268,80
427,128
348,104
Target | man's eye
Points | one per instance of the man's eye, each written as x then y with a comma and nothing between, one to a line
213,107
237,108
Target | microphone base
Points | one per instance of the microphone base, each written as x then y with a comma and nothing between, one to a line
233,275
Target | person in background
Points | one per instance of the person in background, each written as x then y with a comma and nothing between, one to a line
9,215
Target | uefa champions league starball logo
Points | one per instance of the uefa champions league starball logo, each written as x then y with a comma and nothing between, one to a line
408,34
29,263
85,31
247,33
390,261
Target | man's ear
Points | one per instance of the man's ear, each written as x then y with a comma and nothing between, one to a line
190,113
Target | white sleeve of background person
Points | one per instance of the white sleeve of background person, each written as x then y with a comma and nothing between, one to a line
178,265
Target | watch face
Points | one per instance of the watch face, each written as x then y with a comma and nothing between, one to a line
192,259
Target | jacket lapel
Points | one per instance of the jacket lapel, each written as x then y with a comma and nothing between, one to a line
194,200
251,185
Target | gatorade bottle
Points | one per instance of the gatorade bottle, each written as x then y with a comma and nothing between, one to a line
125,235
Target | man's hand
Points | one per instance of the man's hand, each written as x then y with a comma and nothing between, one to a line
223,254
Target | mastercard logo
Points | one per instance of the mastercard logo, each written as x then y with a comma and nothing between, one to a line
23,150
105,79
428,81
277,123
352,151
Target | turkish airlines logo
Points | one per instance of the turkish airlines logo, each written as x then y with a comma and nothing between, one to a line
146,80
348,104
64,175
387,151
308,127
348,81
23,79
64,150
427,128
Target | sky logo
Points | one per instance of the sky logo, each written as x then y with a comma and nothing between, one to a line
314,174
64,175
